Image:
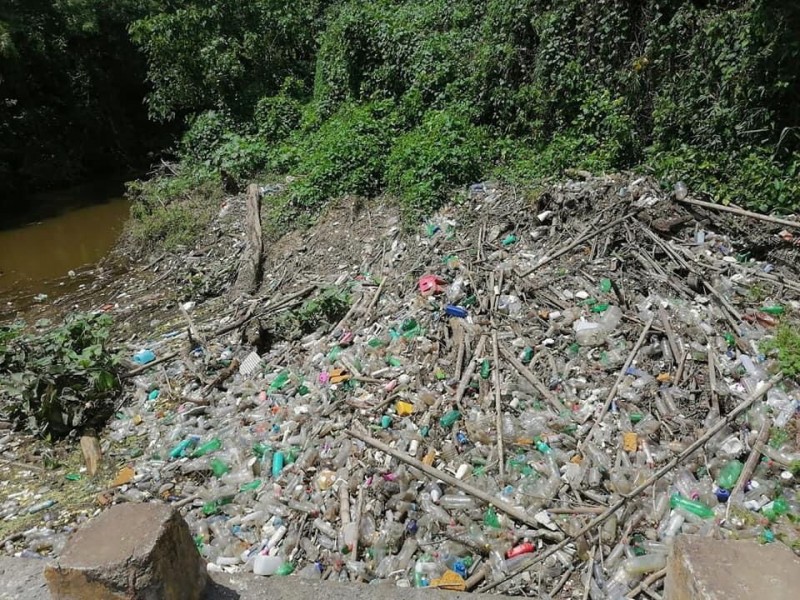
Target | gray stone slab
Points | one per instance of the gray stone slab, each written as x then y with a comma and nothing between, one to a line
706,569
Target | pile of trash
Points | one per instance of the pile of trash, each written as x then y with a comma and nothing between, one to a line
522,395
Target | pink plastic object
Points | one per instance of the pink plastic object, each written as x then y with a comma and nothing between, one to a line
431,284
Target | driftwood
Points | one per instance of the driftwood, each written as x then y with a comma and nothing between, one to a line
249,276
741,212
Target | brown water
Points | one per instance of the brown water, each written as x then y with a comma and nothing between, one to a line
48,256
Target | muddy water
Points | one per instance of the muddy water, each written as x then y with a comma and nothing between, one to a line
49,256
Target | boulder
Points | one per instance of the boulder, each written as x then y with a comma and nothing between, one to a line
131,551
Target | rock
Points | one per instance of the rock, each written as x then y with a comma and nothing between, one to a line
706,569
142,551
92,454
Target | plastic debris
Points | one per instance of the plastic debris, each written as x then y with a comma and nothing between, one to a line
539,403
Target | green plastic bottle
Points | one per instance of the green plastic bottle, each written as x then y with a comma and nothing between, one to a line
527,355
219,468
280,381
775,309
410,329
778,507
605,285
210,446
729,475
449,418
210,508
490,518
278,460
692,506
250,487
183,447
486,369
509,240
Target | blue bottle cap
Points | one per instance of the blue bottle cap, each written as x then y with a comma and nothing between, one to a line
456,311
460,568
722,494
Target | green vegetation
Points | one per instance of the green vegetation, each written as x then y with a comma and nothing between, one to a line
58,378
71,88
418,96
170,211
786,347
327,308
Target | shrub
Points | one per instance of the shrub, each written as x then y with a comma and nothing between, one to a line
751,178
58,379
444,151
204,135
346,155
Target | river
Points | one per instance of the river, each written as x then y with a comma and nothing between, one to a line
53,255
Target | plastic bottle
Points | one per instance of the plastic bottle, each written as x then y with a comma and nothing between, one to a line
457,502
449,418
692,506
681,191
266,565
211,446
729,475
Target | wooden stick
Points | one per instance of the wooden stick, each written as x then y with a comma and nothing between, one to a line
512,511
471,366
589,573
478,576
650,580
561,582
741,212
357,521
149,365
498,409
576,510
20,465
584,237
377,297
620,377
673,343
712,377
459,331
691,449
681,368
344,503
751,462
349,314
727,305
533,380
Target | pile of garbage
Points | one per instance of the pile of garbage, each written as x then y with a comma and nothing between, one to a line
525,395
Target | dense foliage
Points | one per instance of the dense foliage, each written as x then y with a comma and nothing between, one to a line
60,378
416,96
71,88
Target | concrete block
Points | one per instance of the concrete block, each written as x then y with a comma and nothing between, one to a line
131,551
706,569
